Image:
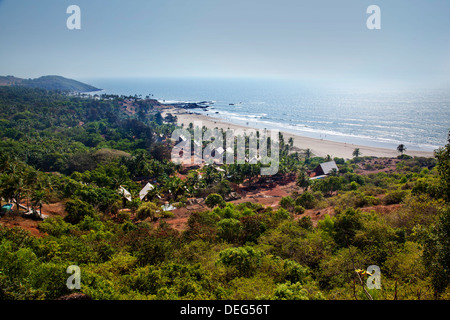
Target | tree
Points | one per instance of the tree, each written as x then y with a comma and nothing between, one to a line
291,143
213,200
308,153
303,180
244,259
333,173
38,198
443,167
229,229
158,118
401,148
356,153
77,209
170,118
437,252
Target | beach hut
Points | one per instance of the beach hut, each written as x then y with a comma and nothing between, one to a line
148,187
325,168
125,193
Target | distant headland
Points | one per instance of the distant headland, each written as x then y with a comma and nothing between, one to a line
49,83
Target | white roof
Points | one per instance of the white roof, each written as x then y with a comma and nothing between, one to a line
145,190
124,192
328,166
220,150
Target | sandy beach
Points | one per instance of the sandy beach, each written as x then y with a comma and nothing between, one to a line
319,147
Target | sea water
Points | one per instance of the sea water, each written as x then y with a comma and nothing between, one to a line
419,119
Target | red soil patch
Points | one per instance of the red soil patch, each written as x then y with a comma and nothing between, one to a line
269,197
317,214
16,220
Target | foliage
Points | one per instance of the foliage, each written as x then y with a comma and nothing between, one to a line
77,209
78,151
147,210
213,200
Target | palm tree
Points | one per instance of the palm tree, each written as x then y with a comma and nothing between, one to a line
19,187
39,198
333,172
291,142
401,148
356,153
303,180
308,153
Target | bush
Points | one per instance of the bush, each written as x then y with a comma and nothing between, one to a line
295,272
306,200
288,291
354,185
287,203
299,210
55,226
147,210
306,223
395,197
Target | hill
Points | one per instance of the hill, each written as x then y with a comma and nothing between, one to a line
48,83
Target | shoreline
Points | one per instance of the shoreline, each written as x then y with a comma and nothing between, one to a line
319,147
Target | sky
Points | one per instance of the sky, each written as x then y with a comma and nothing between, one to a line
321,39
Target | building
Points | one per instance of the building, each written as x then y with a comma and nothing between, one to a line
324,169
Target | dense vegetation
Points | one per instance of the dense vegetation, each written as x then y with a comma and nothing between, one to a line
59,148
49,83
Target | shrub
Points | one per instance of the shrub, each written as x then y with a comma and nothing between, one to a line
395,197
147,210
354,185
295,272
288,291
287,203
306,223
55,226
306,200
299,210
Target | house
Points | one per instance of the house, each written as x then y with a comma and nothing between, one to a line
325,168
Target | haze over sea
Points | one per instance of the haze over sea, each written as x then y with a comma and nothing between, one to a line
419,119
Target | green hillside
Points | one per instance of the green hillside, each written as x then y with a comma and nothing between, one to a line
48,83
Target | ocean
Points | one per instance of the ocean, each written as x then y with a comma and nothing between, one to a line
419,119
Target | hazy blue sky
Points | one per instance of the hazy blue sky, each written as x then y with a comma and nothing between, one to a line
320,39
